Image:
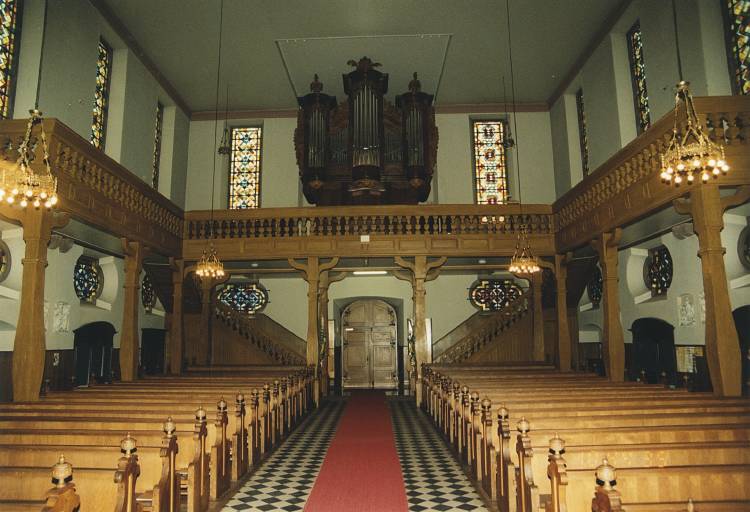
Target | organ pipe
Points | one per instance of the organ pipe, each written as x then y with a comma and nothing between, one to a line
416,108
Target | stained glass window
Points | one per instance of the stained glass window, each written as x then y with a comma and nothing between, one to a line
87,279
493,294
101,94
4,260
148,294
157,145
583,137
9,29
737,15
638,77
490,171
594,287
743,247
244,168
245,298
658,271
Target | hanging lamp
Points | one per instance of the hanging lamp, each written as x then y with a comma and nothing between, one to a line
210,266
690,154
523,260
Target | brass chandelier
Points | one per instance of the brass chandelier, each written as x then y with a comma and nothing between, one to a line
690,154
209,266
20,184
523,260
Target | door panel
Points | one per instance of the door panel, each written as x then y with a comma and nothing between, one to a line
356,358
370,345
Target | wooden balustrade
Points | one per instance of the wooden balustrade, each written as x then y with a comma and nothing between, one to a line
628,187
479,339
98,191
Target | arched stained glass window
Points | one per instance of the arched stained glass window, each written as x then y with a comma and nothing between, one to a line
659,270
87,279
737,15
244,168
148,295
594,287
743,247
101,94
4,261
245,298
638,77
490,171
493,294
9,29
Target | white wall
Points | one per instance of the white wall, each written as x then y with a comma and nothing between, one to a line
605,79
59,290
634,296
66,89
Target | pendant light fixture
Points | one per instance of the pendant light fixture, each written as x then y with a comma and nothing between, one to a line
523,260
20,183
209,266
690,154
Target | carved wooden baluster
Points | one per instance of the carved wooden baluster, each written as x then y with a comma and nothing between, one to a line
606,497
62,497
557,474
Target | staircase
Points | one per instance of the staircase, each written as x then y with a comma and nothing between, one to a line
503,336
242,339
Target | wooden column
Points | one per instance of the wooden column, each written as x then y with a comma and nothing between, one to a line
538,325
176,327
30,344
129,339
323,285
613,344
563,330
706,206
421,271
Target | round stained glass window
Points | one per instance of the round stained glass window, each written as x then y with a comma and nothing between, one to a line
245,298
493,294
743,247
659,270
87,279
148,295
4,260
594,287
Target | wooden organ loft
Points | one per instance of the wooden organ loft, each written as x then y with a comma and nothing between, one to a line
366,150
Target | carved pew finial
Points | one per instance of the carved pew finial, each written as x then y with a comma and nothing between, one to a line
128,445
606,498
62,497
169,427
690,505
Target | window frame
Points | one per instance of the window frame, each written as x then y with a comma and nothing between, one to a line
731,49
583,139
504,121
101,144
13,58
230,172
634,82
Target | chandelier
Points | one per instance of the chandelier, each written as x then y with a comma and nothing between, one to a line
209,266
523,260
691,154
19,183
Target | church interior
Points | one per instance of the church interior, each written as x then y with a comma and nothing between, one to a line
386,256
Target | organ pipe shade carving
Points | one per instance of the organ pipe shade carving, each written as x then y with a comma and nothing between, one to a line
366,150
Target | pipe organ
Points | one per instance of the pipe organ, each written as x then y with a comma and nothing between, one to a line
366,150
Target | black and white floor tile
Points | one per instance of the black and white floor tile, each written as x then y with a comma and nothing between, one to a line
284,481
433,479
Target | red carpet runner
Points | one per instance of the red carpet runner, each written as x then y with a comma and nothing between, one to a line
361,471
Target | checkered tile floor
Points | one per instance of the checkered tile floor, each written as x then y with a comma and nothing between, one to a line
285,480
434,480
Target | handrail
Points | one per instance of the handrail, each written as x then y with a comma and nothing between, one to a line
460,331
273,347
477,340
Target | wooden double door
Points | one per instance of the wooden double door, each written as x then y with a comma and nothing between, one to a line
369,345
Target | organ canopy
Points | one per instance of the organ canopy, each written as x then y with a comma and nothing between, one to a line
366,150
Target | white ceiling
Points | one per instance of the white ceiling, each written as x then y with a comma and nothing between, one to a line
180,36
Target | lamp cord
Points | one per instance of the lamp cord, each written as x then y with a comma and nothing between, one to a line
677,39
41,56
513,97
216,114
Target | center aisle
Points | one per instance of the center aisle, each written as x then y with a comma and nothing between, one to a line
361,471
